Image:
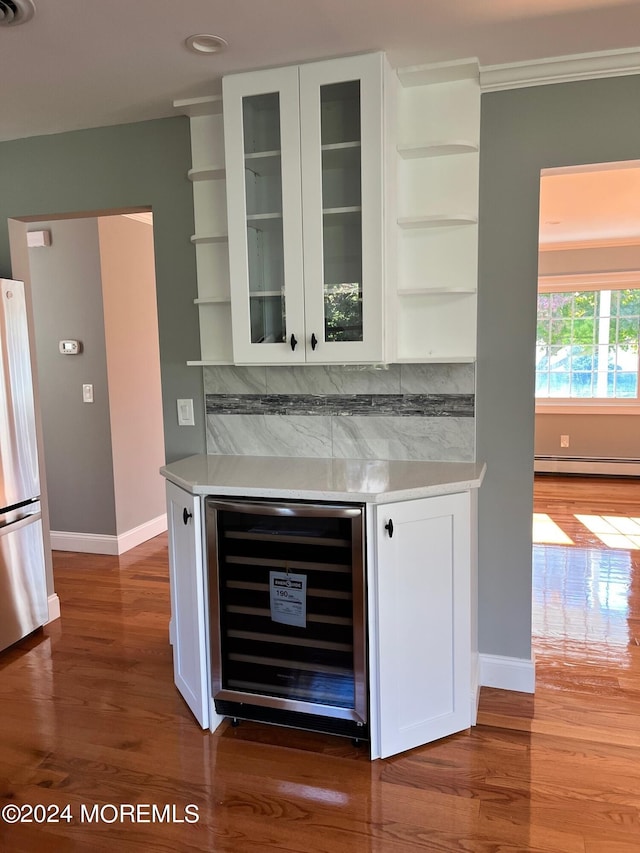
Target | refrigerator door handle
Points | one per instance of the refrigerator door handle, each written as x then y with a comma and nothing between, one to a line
20,523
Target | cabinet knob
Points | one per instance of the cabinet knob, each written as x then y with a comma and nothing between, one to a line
314,341
389,526
293,341
186,515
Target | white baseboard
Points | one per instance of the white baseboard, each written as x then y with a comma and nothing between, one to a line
140,534
508,673
94,543
54,608
475,687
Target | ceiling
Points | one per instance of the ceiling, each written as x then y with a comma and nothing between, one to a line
597,204
82,63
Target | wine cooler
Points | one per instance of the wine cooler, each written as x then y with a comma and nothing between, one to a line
288,613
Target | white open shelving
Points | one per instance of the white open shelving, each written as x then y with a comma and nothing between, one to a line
438,134
210,216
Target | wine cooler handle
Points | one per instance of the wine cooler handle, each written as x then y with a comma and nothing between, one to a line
389,526
186,515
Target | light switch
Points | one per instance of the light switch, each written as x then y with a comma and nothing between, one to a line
185,413
87,393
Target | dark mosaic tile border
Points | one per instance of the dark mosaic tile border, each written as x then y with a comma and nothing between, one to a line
367,405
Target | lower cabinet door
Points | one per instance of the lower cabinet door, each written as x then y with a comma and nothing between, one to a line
189,634
424,620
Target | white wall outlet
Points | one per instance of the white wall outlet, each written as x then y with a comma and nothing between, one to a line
87,393
185,413
564,441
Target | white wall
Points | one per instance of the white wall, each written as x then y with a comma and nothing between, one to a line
133,369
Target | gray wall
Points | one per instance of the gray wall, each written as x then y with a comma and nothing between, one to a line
66,288
590,436
126,166
523,131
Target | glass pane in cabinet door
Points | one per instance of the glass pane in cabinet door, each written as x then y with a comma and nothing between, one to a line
263,189
341,211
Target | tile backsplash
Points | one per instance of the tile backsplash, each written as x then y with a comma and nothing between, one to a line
408,411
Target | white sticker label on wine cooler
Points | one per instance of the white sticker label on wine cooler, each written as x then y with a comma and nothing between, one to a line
288,593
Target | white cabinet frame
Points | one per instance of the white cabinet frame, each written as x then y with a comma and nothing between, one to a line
298,88
423,621
284,81
188,629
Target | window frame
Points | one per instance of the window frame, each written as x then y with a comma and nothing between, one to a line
580,282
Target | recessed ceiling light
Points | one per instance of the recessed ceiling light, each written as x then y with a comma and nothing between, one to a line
205,43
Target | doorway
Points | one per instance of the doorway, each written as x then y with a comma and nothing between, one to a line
586,523
102,439
588,320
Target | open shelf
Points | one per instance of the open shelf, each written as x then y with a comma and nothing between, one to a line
439,72
211,300
435,291
206,173
209,238
438,220
205,106
437,149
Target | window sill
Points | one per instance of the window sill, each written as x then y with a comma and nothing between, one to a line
587,407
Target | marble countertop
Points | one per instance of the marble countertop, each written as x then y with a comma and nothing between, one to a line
354,480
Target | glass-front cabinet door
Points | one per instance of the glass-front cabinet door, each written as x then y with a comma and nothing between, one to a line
341,121
262,152
304,168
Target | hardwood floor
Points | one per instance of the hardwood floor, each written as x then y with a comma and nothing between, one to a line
89,715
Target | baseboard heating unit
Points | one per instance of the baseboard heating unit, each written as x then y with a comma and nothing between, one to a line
587,466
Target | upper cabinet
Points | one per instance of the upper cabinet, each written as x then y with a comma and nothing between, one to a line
336,213
305,200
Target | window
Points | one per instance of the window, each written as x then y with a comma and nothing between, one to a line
587,343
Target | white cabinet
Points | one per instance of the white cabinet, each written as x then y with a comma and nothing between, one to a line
423,621
438,134
336,213
305,198
188,630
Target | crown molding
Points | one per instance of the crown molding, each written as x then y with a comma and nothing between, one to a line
560,69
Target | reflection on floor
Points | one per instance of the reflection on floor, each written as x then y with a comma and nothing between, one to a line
586,595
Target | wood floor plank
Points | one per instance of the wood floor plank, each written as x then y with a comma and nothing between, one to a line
89,716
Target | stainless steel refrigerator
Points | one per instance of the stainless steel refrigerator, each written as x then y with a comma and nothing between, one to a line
23,588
